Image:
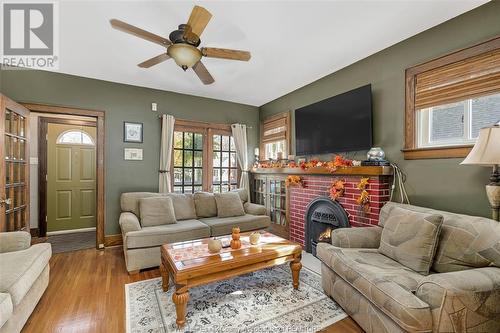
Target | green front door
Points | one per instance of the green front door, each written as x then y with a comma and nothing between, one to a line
71,177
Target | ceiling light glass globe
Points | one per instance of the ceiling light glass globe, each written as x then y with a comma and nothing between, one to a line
184,55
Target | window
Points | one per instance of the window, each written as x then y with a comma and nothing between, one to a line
275,133
188,162
449,99
75,137
224,164
200,164
457,123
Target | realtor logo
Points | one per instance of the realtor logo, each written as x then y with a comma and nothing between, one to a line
29,35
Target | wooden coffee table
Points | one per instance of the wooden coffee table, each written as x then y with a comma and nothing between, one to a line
190,264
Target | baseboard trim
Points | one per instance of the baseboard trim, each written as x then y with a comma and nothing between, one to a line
72,231
113,240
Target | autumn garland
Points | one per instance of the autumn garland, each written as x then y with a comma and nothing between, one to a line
337,189
364,198
332,165
294,181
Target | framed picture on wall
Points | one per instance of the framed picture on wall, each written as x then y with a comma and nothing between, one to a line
132,132
132,154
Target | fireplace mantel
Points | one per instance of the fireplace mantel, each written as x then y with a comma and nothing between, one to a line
353,171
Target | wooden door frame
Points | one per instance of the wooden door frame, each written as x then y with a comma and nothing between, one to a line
100,167
43,124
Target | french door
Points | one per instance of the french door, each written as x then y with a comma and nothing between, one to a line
14,174
204,158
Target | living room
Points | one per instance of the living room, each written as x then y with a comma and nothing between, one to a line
296,166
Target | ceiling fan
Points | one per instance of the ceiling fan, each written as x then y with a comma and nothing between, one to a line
183,44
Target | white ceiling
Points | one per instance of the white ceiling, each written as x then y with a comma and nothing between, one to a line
293,43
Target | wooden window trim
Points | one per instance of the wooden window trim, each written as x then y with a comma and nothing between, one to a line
207,130
288,136
410,150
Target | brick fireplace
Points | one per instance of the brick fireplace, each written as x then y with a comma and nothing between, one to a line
318,185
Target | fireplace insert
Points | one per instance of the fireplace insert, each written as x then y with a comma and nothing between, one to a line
323,215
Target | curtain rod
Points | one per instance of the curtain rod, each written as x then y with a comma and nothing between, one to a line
250,127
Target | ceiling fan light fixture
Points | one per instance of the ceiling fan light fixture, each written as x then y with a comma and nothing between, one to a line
184,55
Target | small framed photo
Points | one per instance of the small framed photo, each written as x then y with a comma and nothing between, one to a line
132,154
132,132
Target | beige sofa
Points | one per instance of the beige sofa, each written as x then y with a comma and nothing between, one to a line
461,293
141,244
24,276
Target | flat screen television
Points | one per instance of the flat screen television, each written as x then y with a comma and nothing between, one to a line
337,124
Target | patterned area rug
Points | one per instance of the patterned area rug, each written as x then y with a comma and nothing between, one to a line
263,301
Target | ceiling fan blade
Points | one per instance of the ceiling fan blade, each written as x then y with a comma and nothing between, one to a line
213,52
203,73
154,61
138,32
198,20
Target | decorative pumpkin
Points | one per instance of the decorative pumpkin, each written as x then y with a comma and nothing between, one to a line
235,241
254,238
214,245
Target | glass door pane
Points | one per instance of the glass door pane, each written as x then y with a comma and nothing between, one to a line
188,161
224,164
14,178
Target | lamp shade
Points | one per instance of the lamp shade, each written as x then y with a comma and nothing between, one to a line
184,55
486,151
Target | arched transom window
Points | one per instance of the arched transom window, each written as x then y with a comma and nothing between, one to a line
75,137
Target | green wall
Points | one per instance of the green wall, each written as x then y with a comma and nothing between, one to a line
442,183
125,103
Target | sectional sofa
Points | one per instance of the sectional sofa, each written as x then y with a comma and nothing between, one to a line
197,216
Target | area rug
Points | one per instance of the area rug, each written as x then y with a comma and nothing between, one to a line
263,301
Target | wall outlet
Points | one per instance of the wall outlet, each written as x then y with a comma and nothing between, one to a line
154,107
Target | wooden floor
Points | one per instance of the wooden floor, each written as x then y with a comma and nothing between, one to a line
86,294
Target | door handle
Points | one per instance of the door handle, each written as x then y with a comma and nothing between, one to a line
5,201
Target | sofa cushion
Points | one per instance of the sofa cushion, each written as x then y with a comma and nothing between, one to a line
14,241
183,206
167,233
129,202
411,238
242,192
383,281
156,211
20,269
465,241
229,204
254,209
205,204
6,308
220,226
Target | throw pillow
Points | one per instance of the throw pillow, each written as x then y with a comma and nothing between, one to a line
229,204
156,211
243,193
411,238
183,206
205,204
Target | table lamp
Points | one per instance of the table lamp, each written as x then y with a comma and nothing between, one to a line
486,152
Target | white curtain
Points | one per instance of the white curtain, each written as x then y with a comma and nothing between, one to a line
167,143
240,141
